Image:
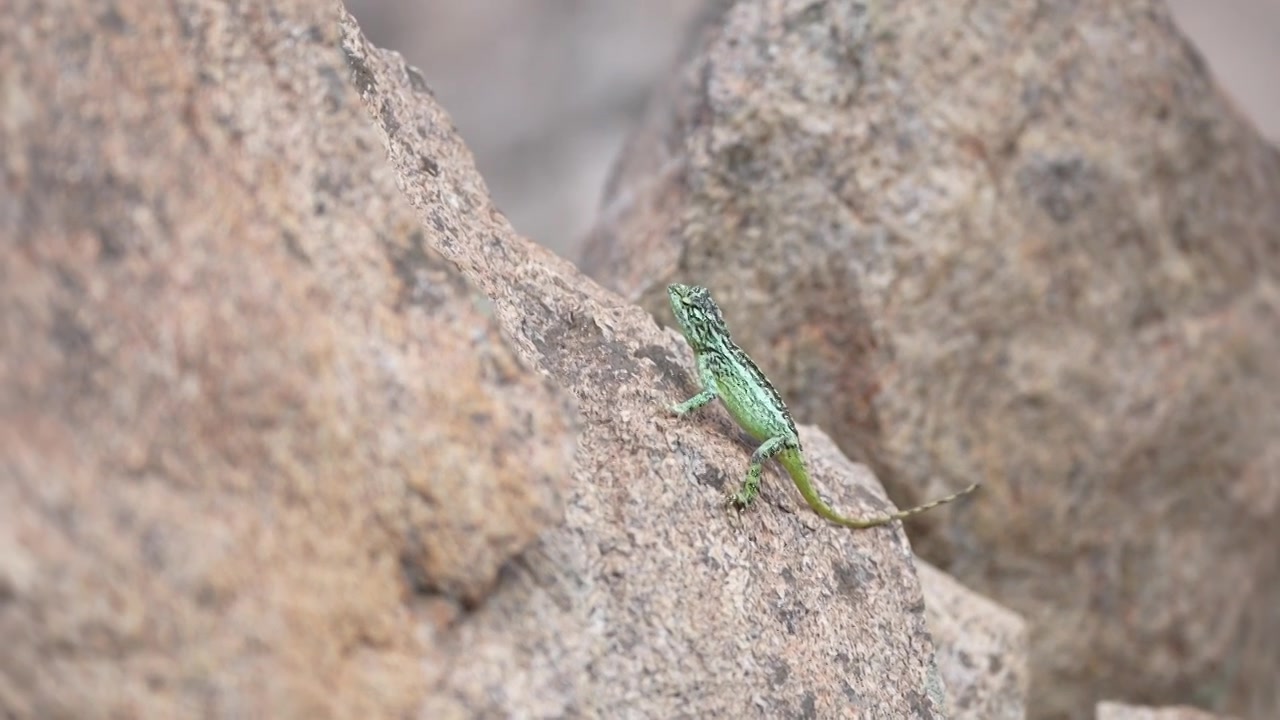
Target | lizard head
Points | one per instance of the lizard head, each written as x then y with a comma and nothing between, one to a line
698,315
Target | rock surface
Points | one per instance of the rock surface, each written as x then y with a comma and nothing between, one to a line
265,452
1019,242
247,419
982,649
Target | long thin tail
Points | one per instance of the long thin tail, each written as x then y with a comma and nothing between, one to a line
909,512
794,464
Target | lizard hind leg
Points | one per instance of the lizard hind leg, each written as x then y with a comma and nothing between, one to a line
751,485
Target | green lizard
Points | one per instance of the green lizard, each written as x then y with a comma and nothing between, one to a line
725,372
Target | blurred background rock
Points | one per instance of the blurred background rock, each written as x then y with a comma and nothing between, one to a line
545,91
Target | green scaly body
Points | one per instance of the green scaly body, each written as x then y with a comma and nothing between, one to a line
725,372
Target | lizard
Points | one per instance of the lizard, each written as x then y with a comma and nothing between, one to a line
725,371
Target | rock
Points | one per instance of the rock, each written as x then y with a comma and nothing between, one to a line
1023,243
249,421
982,649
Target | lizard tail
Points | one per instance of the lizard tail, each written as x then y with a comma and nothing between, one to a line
793,461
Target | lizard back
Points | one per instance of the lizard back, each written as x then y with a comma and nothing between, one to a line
751,399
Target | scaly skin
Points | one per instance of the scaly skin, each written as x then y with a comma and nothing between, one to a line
725,372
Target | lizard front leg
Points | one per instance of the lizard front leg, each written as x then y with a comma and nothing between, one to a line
708,393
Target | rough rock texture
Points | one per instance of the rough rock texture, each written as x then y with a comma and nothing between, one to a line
264,453
1021,242
650,600
982,649
246,417
1117,711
